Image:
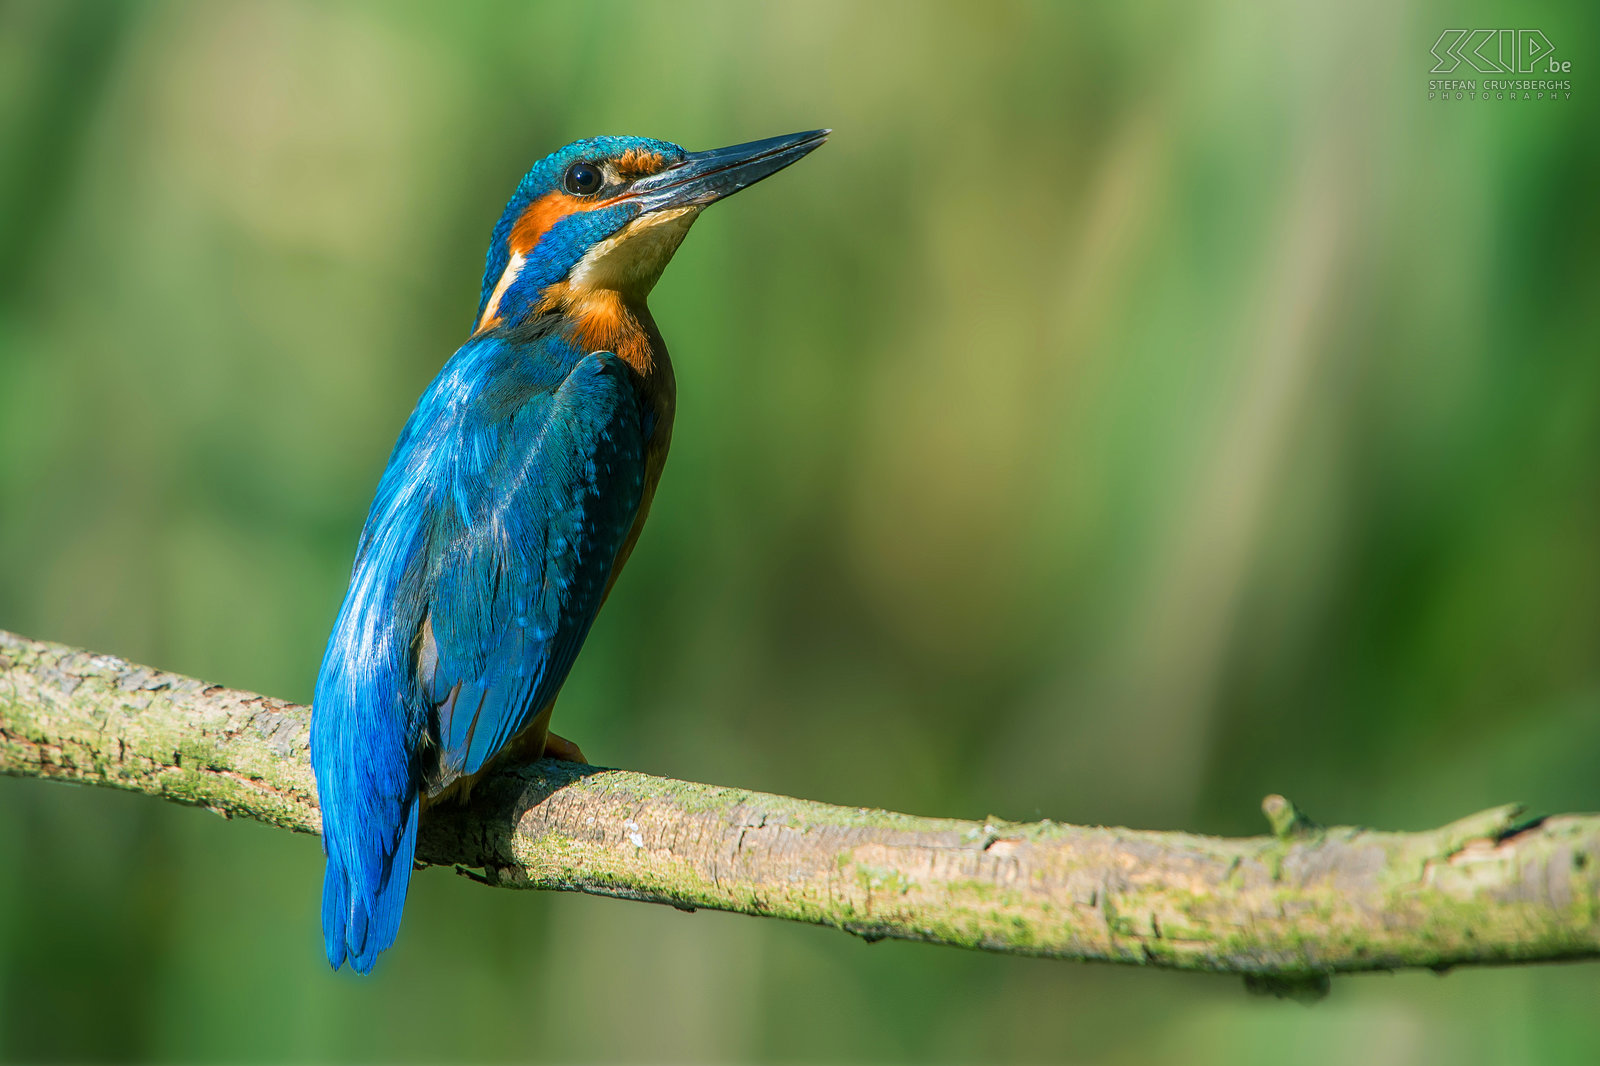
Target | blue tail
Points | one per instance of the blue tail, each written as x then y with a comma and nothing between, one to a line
368,726
360,919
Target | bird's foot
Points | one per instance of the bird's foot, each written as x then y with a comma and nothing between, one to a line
561,748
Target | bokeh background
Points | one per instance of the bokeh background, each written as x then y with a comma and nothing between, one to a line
1135,409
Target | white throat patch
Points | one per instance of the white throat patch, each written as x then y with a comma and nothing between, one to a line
491,310
632,259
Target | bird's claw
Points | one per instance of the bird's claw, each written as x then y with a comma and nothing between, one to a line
561,748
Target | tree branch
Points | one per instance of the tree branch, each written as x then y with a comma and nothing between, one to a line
1286,910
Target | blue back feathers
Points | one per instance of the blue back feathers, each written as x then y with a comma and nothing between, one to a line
483,562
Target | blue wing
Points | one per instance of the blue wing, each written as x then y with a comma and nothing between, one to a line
480,570
523,559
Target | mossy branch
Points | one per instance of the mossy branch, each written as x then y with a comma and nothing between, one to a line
1286,910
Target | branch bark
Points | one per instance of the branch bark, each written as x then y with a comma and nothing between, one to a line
1286,910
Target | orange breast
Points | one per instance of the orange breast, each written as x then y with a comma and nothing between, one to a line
659,392
602,320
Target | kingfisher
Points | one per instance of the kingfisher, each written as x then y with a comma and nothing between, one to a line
508,507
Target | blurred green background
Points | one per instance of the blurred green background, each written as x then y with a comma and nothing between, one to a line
1132,411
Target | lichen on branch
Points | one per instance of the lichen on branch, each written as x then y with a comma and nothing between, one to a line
1285,909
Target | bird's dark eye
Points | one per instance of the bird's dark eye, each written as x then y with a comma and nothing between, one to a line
582,179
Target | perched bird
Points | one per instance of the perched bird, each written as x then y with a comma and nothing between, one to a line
509,505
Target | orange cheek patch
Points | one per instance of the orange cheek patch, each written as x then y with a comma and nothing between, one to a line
537,218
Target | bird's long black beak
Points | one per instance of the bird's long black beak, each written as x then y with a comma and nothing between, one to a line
701,178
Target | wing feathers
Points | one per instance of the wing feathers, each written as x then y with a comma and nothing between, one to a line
523,575
479,571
